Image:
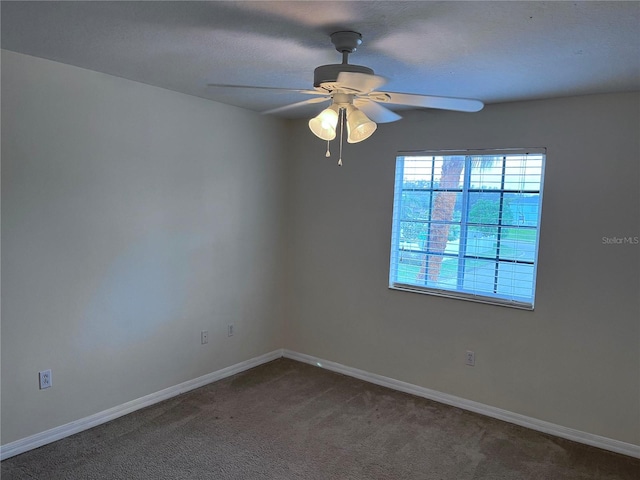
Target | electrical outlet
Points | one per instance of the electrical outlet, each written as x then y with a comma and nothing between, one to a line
230,330
204,337
470,359
45,379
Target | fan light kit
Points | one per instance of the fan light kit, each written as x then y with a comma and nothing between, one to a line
352,91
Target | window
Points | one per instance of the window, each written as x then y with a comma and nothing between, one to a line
466,225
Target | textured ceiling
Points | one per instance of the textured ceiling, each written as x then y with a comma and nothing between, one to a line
492,51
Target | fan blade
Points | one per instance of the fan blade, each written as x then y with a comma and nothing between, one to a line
273,89
296,105
359,82
429,101
375,111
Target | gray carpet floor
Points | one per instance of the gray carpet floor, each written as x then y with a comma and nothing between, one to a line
288,420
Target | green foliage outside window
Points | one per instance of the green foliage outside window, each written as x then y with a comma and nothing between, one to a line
487,212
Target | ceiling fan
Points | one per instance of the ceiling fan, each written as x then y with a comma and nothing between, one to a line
355,100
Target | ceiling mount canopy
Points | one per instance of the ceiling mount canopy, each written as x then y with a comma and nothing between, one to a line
346,41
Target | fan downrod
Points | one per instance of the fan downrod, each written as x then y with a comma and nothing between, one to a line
325,76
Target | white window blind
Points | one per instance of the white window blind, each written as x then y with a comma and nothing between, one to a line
466,224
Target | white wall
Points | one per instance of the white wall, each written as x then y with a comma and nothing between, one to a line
132,218
575,360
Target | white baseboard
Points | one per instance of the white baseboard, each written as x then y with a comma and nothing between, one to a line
57,433
505,415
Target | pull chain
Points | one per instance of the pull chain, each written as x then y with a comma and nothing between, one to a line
342,113
328,154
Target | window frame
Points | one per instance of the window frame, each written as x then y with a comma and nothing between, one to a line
460,292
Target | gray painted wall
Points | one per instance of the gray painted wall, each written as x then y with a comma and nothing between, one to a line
132,218
575,360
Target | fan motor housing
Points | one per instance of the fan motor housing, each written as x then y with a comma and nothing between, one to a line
326,76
